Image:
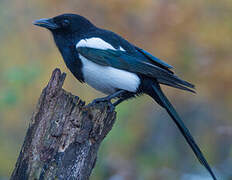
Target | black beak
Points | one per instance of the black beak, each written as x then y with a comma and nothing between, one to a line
46,23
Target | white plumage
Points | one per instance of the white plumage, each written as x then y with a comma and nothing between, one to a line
105,78
94,43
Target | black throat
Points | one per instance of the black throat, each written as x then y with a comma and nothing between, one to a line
67,48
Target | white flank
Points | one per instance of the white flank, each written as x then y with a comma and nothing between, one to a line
108,79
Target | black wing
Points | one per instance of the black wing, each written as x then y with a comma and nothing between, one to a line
135,63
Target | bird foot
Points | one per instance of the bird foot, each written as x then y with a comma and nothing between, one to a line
108,100
104,99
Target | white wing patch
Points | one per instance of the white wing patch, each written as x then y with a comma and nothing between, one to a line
121,49
97,43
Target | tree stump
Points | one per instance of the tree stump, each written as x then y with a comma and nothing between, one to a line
63,136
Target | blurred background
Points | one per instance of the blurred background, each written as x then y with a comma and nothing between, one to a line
193,36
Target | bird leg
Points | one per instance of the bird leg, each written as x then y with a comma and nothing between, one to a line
117,94
108,98
125,96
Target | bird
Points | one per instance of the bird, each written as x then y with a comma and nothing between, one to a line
114,66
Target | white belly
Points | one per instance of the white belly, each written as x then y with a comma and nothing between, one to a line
108,79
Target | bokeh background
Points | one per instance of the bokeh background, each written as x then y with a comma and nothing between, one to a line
194,36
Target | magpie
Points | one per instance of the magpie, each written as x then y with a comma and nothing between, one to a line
116,67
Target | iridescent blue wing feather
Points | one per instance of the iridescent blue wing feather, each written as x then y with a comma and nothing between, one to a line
154,59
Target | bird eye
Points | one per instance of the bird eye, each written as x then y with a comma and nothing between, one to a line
65,23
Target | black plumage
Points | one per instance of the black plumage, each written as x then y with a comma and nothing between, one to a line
114,66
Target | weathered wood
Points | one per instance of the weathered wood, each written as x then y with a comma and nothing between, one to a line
63,136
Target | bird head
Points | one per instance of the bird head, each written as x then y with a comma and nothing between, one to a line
65,23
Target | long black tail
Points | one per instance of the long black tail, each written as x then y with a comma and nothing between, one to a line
156,93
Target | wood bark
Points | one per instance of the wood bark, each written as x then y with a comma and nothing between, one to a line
64,135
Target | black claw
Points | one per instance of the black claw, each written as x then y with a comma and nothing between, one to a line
111,107
104,99
99,100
